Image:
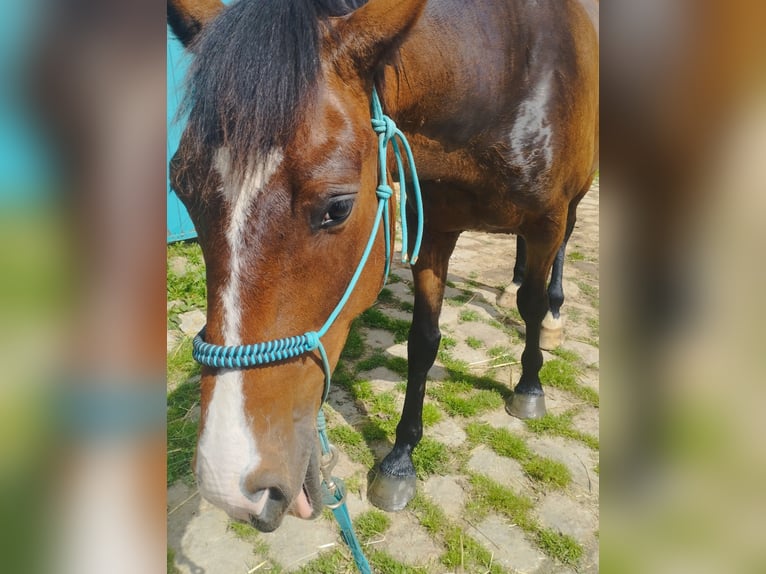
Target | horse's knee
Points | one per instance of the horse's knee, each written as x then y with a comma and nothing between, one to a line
532,303
423,345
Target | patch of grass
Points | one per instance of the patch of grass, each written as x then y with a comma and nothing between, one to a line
188,288
474,343
547,471
354,347
563,375
567,355
406,306
243,531
597,469
352,443
372,431
448,343
450,284
468,315
385,563
386,295
502,441
560,546
459,402
430,457
371,524
354,483
461,550
375,319
593,325
180,364
575,256
561,425
333,562
489,496
590,292
171,567
181,430
540,469
377,359
460,299
431,415
398,365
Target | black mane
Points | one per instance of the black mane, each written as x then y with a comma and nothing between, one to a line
255,67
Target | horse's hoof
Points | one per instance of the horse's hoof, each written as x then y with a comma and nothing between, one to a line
551,332
391,493
526,406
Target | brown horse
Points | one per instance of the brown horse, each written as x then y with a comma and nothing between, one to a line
278,169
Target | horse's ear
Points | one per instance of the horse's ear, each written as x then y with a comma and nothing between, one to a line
187,17
372,32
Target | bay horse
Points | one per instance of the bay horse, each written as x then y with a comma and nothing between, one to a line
278,168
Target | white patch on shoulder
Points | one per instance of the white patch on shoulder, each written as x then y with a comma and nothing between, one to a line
532,133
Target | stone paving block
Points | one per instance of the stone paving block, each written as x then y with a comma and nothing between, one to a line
447,431
202,542
503,470
577,457
409,542
508,544
561,513
191,322
448,492
588,353
378,338
297,541
174,337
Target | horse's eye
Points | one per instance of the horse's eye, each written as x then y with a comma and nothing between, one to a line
338,211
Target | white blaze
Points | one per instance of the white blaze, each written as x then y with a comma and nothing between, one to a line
227,452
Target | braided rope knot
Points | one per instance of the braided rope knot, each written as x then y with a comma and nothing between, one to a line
312,340
384,125
384,191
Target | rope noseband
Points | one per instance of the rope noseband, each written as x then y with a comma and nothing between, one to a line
253,355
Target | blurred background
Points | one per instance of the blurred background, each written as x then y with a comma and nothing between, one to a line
82,286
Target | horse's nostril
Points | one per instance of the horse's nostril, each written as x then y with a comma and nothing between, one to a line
257,497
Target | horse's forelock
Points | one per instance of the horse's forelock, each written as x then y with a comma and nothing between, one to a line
255,71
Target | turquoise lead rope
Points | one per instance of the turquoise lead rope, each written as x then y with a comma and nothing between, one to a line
246,356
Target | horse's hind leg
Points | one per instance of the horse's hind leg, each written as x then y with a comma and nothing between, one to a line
394,484
528,400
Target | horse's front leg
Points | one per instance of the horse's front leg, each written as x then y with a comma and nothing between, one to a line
528,399
394,484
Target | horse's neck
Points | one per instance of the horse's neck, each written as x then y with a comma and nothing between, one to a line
439,72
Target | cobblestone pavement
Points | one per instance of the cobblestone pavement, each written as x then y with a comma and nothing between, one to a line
495,494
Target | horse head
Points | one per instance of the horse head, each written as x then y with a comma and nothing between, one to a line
278,167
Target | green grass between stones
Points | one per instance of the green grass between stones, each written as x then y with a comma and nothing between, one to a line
563,374
561,425
461,550
542,470
489,496
181,430
353,444
371,524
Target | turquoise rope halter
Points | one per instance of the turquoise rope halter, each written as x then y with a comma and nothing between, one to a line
246,356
